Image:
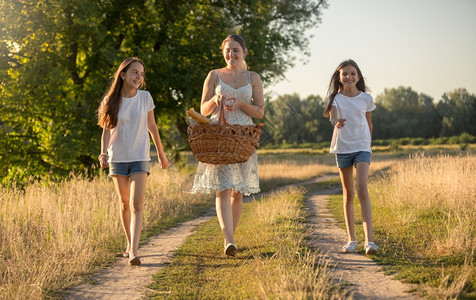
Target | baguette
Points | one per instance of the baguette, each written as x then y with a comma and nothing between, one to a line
198,117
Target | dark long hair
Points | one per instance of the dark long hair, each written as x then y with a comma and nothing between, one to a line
108,110
336,86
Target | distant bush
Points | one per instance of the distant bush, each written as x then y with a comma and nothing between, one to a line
393,144
314,146
464,138
438,141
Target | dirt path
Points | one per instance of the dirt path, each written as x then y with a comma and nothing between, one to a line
122,281
362,276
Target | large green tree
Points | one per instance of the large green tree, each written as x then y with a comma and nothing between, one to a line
57,56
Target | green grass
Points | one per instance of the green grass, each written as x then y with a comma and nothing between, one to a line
273,261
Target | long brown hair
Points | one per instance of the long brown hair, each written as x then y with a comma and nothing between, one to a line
336,86
108,110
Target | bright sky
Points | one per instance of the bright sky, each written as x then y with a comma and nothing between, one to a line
428,45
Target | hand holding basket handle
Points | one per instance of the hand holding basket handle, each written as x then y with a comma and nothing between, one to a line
223,143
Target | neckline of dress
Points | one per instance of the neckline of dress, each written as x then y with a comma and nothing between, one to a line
233,87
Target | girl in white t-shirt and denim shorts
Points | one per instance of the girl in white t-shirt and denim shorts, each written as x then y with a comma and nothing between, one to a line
126,115
350,109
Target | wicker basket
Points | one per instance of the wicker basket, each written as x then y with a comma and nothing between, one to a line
223,143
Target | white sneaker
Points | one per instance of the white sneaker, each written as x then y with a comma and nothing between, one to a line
350,247
371,248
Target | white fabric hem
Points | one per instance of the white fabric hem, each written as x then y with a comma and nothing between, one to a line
209,190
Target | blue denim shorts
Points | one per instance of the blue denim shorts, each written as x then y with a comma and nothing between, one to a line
129,168
351,159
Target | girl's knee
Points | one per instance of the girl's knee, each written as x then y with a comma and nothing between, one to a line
137,206
348,195
237,196
124,205
124,201
349,201
223,194
363,193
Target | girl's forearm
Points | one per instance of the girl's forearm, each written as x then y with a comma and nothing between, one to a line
208,106
254,111
333,116
154,132
105,138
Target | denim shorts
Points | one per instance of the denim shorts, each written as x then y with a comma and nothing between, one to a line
129,168
351,159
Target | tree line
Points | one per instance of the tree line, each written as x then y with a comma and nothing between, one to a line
57,58
401,113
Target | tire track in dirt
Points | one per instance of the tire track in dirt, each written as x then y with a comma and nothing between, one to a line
359,274
123,281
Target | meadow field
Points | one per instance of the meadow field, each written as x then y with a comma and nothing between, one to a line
424,216
54,235
425,208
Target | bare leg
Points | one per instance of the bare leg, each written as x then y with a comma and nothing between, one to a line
138,184
363,193
225,214
347,179
122,184
236,207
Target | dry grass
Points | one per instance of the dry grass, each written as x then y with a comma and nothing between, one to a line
51,235
290,169
443,184
286,167
426,206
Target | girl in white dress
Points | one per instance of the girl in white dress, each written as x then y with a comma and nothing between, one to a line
350,109
242,92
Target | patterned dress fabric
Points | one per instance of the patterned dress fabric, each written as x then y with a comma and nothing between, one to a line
243,177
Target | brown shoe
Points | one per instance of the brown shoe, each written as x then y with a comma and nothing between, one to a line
231,250
135,261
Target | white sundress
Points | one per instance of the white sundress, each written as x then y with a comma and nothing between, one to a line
243,177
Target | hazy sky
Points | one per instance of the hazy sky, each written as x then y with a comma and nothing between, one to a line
428,45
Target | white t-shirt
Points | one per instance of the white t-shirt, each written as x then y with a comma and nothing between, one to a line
130,139
355,135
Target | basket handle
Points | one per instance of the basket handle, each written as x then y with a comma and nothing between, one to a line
221,117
